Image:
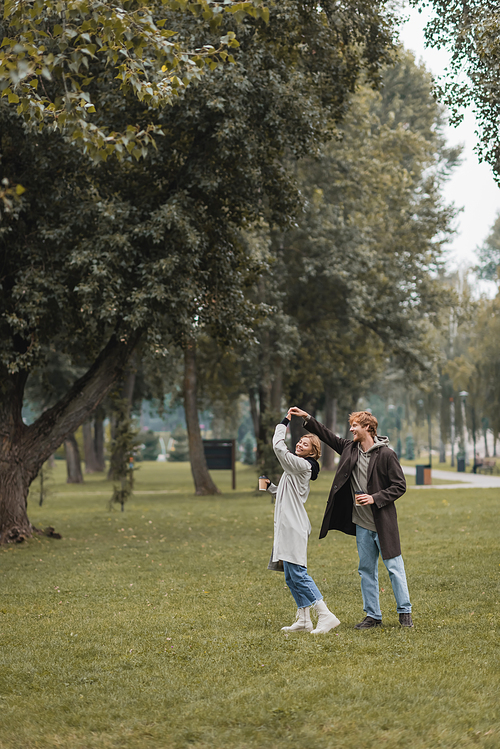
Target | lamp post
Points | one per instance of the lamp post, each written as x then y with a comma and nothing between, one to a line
452,430
463,395
474,463
430,436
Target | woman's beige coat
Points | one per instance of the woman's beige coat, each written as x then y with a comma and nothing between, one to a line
291,523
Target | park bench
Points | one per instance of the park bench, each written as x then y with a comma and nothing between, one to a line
485,466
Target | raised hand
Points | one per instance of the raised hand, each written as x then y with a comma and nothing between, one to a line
294,411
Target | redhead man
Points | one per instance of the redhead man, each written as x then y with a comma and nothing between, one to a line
368,481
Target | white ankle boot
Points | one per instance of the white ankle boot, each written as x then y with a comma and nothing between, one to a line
302,621
326,620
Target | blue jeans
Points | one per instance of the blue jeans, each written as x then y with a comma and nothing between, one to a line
369,549
302,586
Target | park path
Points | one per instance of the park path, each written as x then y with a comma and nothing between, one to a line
462,480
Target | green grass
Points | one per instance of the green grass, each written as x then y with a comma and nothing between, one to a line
159,627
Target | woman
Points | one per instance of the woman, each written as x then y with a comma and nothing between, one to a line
292,528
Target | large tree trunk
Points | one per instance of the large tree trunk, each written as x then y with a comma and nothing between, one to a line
328,462
73,461
24,449
16,474
127,394
89,452
99,439
202,480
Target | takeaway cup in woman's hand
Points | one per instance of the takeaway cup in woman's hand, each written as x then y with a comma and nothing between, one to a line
263,483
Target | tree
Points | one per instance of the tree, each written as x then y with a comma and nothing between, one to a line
54,55
357,282
73,461
180,450
489,254
470,31
109,255
150,446
202,480
225,150
92,462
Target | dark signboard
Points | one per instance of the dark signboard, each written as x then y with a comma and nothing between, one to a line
221,456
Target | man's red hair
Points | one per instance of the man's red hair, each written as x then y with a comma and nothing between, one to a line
366,420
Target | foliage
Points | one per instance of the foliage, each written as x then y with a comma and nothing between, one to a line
476,366
356,283
410,448
60,63
103,255
9,199
470,32
248,451
150,446
151,246
364,265
489,254
122,450
180,449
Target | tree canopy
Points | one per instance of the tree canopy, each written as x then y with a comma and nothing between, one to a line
489,254
61,63
150,247
470,31
356,281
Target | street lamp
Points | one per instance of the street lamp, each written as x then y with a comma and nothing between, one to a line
452,430
463,395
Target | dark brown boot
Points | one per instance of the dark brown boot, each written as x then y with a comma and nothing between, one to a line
405,620
368,623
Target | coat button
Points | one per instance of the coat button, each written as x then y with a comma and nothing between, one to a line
335,486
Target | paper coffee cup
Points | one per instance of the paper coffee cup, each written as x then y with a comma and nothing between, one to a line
356,495
263,480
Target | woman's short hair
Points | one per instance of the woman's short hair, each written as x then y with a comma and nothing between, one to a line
366,420
315,446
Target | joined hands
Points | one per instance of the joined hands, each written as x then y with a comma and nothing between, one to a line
294,411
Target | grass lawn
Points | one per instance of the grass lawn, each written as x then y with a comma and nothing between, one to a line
159,627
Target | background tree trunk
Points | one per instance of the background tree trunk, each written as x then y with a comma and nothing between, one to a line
73,461
254,411
442,452
99,438
202,480
89,453
328,461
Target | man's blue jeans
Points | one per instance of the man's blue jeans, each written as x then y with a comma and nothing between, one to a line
369,549
302,587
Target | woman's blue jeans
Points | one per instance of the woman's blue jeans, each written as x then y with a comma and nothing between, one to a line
302,587
369,549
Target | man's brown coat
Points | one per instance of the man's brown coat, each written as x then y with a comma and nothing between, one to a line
386,482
